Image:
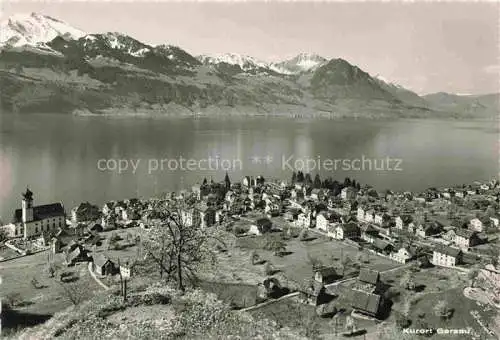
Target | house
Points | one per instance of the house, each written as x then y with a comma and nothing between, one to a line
332,231
495,220
108,208
96,227
316,194
12,230
85,212
476,224
348,193
465,238
446,256
347,231
369,216
349,206
325,275
379,218
78,254
369,276
403,221
404,254
261,226
450,235
367,303
429,229
130,214
360,214
368,233
291,215
30,221
314,294
382,246
304,220
207,215
324,219
103,266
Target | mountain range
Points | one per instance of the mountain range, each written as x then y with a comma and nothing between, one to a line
46,65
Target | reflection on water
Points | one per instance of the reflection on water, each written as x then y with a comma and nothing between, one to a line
57,155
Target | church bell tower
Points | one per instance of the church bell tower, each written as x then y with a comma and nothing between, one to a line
27,206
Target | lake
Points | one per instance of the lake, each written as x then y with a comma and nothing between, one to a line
73,159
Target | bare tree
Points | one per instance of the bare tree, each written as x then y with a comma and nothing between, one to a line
407,281
178,249
472,275
12,299
277,246
350,325
443,310
73,292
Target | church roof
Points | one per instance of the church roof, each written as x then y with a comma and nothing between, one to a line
41,212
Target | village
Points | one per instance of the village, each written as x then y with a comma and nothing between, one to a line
327,257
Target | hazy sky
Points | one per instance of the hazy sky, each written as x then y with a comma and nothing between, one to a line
426,47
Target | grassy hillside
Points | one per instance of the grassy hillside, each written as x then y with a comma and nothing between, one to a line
156,312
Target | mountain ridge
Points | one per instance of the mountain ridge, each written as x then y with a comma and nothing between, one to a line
105,72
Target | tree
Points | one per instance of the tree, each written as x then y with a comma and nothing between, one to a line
12,299
294,177
304,235
35,283
314,262
73,292
472,275
277,246
227,182
3,235
307,179
177,248
350,326
268,269
300,177
407,281
317,181
345,262
254,258
442,310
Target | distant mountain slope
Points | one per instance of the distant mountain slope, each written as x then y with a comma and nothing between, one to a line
339,79
405,95
55,68
475,105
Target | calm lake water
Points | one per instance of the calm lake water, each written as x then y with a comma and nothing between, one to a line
58,156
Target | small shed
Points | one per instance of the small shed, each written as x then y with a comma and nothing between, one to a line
103,265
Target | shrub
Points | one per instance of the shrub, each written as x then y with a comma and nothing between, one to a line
155,299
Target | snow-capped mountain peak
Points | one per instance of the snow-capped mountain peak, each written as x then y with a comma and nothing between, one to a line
303,62
243,61
388,82
33,28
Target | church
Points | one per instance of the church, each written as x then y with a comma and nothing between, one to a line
30,221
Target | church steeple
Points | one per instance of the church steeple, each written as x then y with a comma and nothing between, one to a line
28,195
27,206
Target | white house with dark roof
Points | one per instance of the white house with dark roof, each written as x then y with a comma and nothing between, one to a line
446,256
31,221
